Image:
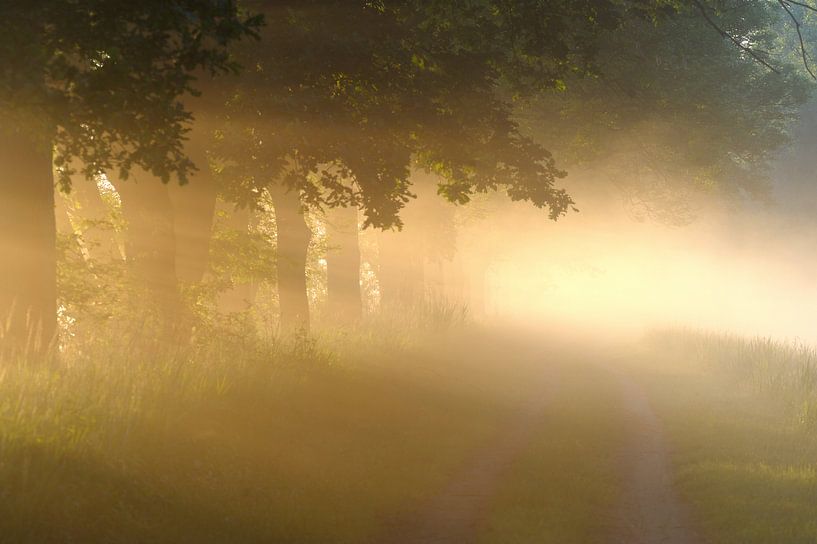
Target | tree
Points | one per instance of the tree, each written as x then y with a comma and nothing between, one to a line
428,236
343,264
677,114
98,82
672,113
369,89
167,233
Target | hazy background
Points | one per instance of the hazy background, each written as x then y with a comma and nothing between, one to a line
741,266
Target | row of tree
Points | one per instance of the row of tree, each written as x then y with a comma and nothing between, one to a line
338,105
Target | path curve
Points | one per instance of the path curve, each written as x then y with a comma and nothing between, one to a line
454,516
650,511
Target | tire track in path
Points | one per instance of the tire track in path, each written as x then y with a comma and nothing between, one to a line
650,511
455,514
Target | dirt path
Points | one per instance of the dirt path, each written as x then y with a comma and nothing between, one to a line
454,516
651,512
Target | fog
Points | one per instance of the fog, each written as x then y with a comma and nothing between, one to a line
747,270
400,272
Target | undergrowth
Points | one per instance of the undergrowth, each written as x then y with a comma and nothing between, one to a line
234,438
739,414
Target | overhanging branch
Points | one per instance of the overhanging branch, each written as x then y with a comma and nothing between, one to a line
786,4
748,50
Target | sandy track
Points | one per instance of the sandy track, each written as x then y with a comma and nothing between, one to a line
454,516
650,511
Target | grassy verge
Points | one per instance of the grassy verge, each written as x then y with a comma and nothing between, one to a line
316,440
739,416
564,487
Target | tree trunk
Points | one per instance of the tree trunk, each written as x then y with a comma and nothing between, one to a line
150,242
61,213
293,242
194,206
454,279
477,287
426,236
343,265
90,216
28,260
400,270
241,296
167,240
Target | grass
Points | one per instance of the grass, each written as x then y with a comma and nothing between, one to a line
332,437
739,414
307,440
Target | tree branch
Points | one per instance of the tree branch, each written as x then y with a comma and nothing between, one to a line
802,5
785,5
748,50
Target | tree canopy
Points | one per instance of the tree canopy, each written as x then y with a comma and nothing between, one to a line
103,79
676,108
98,85
366,89
340,103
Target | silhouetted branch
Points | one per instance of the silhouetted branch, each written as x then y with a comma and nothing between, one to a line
785,5
748,50
802,5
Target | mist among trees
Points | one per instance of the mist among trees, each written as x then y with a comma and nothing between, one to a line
279,271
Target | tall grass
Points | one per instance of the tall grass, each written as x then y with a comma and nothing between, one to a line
234,437
428,312
740,415
785,370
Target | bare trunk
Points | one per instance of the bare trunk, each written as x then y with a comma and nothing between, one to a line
150,243
241,296
477,287
62,219
400,274
167,238
454,279
28,290
293,242
404,254
343,265
194,206
90,215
